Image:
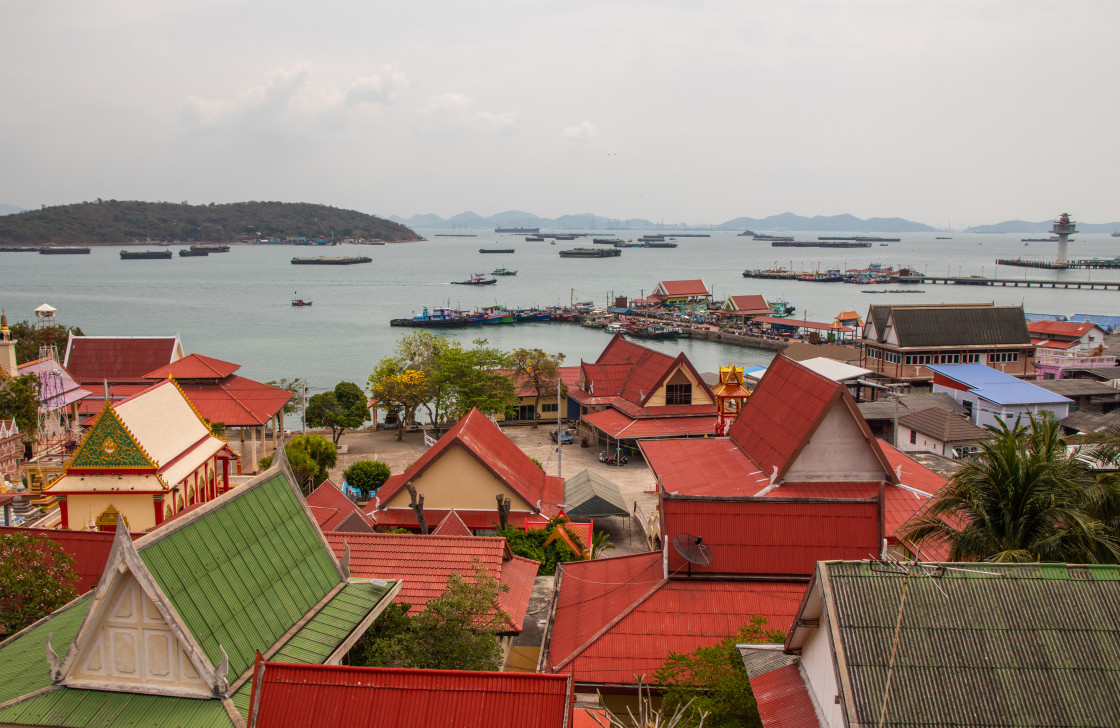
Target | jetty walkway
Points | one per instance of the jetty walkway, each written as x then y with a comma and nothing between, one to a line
1012,282
1090,263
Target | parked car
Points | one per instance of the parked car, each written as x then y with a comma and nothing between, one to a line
564,438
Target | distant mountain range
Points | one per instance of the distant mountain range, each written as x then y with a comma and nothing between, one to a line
587,221
1024,226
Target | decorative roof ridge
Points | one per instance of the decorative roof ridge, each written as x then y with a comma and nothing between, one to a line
108,406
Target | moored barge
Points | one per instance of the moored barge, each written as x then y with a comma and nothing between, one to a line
332,260
146,255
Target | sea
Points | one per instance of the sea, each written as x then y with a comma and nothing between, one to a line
236,306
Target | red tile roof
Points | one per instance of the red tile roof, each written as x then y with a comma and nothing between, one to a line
452,525
485,441
194,366
424,564
802,324
1054,343
771,536
90,550
582,718
616,618
1059,328
332,509
92,359
673,289
474,520
236,401
783,699
781,416
750,303
334,696
117,392
616,424
606,380
713,467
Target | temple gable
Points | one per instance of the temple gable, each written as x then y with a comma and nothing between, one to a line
110,445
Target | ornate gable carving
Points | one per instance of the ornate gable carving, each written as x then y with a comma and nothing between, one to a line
110,445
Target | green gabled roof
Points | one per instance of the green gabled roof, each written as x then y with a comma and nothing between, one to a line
985,645
110,446
243,571
103,709
325,632
23,660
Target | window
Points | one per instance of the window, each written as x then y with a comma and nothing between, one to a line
526,412
947,359
678,394
973,358
891,357
968,407
549,407
918,358
1003,356
913,437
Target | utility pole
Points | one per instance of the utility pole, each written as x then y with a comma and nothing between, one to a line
559,433
303,406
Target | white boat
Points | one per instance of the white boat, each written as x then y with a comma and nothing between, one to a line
614,328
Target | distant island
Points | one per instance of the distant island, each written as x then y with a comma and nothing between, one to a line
115,222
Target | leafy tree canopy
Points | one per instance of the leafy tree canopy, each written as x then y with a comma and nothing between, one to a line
398,388
538,369
530,544
311,457
340,410
458,630
19,398
1027,497
36,578
27,339
366,475
715,680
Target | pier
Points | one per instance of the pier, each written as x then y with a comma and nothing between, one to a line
1013,282
1103,263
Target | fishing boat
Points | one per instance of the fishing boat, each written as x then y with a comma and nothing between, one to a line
496,250
437,318
146,255
503,272
476,279
615,328
299,301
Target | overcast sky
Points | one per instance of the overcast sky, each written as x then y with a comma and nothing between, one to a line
941,111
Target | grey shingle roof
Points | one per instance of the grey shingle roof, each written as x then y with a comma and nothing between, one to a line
931,326
1084,421
1037,646
1076,387
942,425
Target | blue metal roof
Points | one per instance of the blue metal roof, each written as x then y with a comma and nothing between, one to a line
1108,323
1045,317
995,386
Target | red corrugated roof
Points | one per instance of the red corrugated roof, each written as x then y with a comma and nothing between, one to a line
90,550
900,504
489,445
332,508
753,302
236,401
672,289
332,696
451,525
582,718
616,619
618,425
606,380
93,359
195,366
424,564
802,324
1059,328
117,392
473,519
768,536
1054,343
783,699
713,466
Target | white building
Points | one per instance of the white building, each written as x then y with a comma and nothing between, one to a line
989,395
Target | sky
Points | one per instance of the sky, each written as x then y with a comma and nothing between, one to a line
946,112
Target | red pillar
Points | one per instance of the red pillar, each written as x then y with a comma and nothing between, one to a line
157,501
64,511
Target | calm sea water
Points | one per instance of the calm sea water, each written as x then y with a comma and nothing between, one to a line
236,306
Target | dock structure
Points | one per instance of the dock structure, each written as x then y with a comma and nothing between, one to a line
1013,282
1083,263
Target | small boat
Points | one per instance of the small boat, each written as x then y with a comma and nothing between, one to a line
476,279
614,329
942,238
503,272
497,250
299,301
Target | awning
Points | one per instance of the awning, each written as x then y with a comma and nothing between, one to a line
589,495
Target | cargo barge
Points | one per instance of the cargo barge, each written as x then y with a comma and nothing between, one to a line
146,255
332,260
819,244
211,247
591,253
64,250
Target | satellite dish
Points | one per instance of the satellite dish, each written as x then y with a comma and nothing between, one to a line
692,549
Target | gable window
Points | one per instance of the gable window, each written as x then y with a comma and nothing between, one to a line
678,389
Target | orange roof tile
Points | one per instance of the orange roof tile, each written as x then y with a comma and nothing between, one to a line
618,425
451,525
674,289
332,509
714,467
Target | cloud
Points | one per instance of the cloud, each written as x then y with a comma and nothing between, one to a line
585,131
452,115
381,88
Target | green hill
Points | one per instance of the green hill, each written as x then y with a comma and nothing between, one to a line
113,222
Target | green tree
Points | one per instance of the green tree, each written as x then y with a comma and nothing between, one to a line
366,475
476,378
27,339
423,351
310,457
457,631
297,387
715,680
530,544
1027,497
539,370
398,388
36,578
340,410
19,398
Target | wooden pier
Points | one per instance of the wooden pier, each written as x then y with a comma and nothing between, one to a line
1014,282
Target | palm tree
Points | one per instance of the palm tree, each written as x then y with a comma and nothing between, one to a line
1027,497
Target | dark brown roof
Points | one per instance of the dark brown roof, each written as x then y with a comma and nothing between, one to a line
1076,387
942,425
988,645
1084,421
959,325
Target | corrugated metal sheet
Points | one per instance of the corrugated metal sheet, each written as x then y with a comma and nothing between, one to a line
590,495
713,467
23,661
934,326
92,359
102,709
783,699
194,366
244,573
332,510
771,536
1038,647
357,697
618,425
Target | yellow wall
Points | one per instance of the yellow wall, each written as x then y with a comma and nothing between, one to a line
532,399
457,480
699,396
137,509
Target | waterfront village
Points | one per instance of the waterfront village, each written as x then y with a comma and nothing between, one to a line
907,518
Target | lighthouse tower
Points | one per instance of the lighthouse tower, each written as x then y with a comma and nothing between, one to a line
1063,228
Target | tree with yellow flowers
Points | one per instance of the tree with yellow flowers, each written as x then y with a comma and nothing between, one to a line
398,388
